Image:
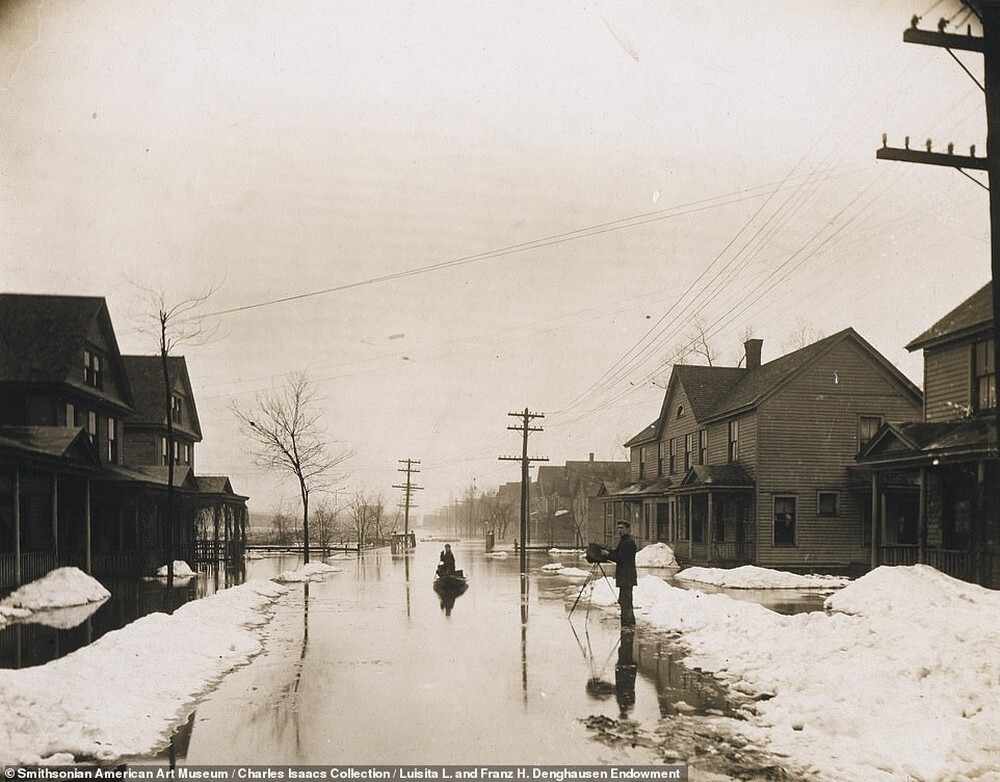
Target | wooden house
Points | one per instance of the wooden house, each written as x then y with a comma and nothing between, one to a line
565,510
78,485
936,478
756,464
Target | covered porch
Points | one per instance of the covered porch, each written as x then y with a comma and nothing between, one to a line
935,498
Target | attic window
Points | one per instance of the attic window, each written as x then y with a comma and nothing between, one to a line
177,410
680,411
92,369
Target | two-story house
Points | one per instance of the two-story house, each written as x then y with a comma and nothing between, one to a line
756,464
77,486
936,479
564,503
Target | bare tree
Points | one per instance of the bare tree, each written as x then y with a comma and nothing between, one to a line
285,426
324,522
173,325
282,527
366,513
497,513
803,334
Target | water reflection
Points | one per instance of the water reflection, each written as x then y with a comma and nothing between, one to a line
49,635
625,672
448,593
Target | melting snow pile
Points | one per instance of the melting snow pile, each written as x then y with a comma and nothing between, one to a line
125,692
898,680
181,570
753,577
62,588
558,569
311,572
655,555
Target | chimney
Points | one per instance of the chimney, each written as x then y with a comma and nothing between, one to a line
591,456
752,348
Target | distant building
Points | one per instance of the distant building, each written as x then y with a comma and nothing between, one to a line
756,465
565,506
936,478
83,450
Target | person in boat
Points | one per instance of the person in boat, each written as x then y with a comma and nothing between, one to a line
446,565
623,555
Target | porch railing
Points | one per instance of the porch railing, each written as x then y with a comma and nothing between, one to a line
957,564
725,552
33,565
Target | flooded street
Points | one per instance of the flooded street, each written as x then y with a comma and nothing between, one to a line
371,665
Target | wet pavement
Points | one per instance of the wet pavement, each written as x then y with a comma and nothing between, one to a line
372,666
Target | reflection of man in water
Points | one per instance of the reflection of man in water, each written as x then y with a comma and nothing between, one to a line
626,578
625,675
447,564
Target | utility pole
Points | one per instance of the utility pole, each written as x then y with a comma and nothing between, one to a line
408,489
988,13
526,417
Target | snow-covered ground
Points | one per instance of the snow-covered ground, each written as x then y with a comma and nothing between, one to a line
899,679
310,572
125,692
753,577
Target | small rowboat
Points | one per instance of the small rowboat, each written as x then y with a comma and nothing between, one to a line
451,581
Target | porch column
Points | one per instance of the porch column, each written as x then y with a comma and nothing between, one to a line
17,526
876,491
55,516
922,517
88,536
710,532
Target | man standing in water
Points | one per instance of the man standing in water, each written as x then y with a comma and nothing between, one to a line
626,577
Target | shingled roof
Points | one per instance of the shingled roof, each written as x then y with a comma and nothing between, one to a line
42,338
972,315
718,392
146,376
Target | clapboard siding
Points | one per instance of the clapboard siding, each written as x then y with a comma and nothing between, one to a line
807,438
947,381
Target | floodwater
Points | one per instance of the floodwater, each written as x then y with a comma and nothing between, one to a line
56,633
371,666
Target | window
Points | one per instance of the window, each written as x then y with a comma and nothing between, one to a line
112,440
187,454
659,459
176,410
92,369
734,441
827,503
688,450
784,521
92,426
680,411
642,461
673,455
984,388
70,415
163,451
867,426
703,446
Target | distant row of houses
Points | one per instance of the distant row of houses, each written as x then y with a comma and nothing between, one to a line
85,453
827,458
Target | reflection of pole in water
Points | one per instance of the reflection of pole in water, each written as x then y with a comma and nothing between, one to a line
524,636
406,561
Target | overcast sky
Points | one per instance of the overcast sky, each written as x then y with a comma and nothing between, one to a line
480,207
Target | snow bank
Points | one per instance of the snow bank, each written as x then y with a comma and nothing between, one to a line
558,569
59,588
753,577
310,572
898,680
655,555
181,570
124,693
